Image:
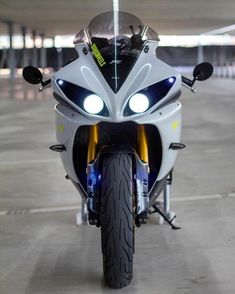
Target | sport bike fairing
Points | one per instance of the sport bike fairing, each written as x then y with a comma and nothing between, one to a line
147,75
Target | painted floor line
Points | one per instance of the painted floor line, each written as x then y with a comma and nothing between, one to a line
195,198
203,197
26,162
22,211
55,209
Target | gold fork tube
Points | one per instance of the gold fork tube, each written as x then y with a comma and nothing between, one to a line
142,143
93,141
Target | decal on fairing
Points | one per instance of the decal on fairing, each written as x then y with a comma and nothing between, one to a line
98,55
60,128
175,124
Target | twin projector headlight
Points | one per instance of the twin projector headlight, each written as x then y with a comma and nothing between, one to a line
83,98
138,103
93,104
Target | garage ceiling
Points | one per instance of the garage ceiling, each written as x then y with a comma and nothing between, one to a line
55,17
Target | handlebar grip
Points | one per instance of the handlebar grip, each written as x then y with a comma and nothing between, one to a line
187,81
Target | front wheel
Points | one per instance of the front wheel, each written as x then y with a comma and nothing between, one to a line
117,225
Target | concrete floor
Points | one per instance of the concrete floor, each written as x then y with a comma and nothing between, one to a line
45,252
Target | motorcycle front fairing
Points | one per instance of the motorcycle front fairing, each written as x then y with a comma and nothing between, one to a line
115,67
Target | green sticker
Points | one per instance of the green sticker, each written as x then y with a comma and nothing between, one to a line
60,128
98,55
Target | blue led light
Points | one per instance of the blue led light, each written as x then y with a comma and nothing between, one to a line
60,82
171,80
92,179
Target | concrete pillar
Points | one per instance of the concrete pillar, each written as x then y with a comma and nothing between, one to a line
59,51
43,57
25,60
53,42
53,46
11,55
59,58
35,59
200,53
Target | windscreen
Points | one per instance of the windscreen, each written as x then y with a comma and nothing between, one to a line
116,40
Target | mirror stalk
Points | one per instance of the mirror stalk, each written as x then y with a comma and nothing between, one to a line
45,85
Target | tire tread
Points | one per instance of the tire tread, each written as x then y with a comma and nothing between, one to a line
117,219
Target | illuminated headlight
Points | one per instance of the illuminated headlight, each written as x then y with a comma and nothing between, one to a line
93,104
139,103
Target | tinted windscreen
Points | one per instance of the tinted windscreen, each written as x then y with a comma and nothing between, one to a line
113,47
116,40
115,61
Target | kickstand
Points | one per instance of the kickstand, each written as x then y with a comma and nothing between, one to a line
170,222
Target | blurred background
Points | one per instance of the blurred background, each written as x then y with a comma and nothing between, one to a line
41,33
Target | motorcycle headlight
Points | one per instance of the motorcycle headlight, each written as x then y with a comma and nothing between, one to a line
148,97
83,98
93,104
139,102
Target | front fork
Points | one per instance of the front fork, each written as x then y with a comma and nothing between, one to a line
94,138
91,154
91,205
140,176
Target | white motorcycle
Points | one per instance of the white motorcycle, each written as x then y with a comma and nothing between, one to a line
118,124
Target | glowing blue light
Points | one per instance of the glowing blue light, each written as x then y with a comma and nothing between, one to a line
60,82
171,80
92,179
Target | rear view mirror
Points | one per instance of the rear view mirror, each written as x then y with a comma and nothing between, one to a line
203,71
32,75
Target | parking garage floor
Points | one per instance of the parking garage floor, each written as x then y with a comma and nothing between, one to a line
42,250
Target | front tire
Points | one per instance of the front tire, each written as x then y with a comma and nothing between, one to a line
117,226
